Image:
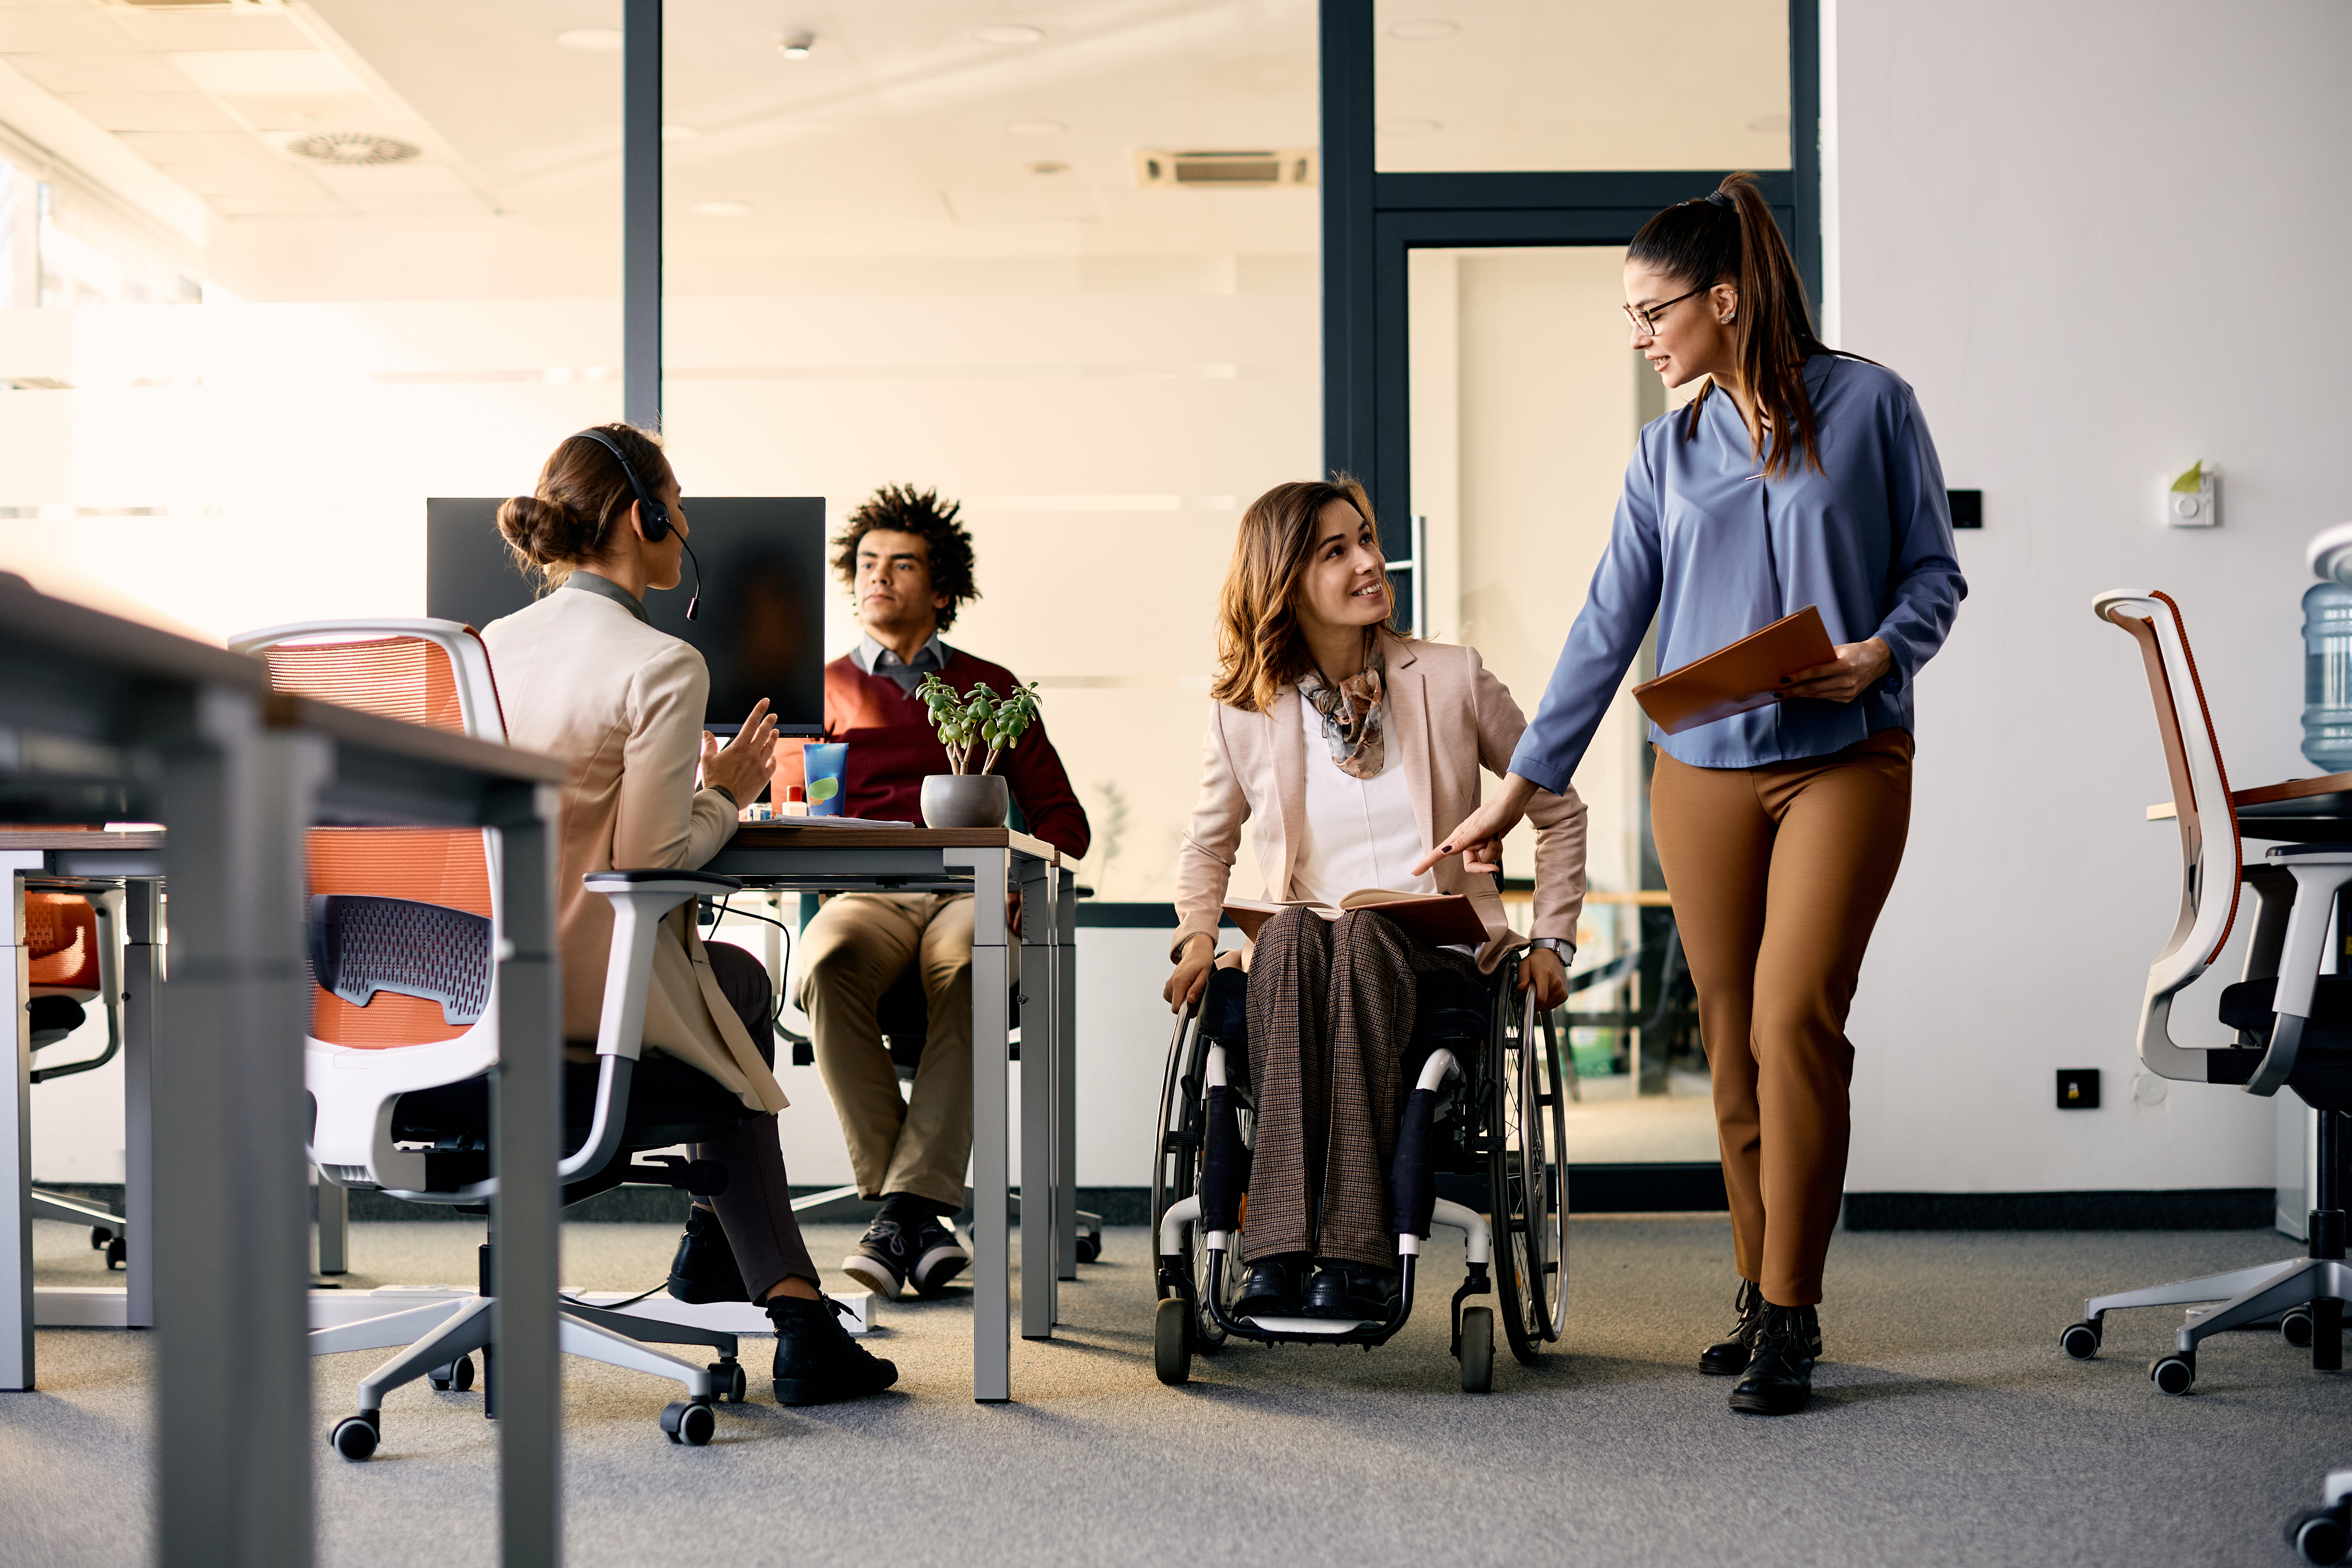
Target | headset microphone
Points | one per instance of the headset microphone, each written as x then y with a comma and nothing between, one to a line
650,511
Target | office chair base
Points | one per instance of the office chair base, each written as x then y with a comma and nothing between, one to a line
2324,1534
2305,1296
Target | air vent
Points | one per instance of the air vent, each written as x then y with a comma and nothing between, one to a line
351,148
1226,170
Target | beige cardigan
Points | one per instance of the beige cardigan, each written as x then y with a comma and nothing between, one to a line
582,678
1448,716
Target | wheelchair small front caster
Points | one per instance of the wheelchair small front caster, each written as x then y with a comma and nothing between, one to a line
689,1421
1477,1349
99,1236
2080,1340
2173,1373
2319,1535
355,1437
734,1386
1171,1341
458,1375
116,1251
2298,1328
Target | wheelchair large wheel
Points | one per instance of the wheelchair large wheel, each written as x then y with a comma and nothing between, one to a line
1176,1173
1526,1129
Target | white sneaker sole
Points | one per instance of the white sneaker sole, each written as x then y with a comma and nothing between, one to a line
937,1267
873,1274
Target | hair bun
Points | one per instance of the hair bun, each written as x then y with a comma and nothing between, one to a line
539,531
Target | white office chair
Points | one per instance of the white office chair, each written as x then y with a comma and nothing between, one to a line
404,926
2294,1024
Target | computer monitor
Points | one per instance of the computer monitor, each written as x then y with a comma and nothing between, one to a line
762,628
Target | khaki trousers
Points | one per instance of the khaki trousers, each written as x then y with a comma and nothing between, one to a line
1777,875
857,945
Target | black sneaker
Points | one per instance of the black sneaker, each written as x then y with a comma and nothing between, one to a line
938,1257
1780,1380
704,1268
881,1260
1729,1355
816,1361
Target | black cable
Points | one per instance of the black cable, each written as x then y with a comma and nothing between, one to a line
775,1013
616,1306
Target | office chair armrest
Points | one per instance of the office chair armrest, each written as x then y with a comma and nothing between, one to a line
2317,884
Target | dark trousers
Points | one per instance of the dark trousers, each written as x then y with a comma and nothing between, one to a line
756,1210
1331,1005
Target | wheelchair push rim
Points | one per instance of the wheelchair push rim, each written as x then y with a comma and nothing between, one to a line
1526,1129
1176,1170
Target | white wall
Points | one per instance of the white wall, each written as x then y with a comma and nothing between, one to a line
2100,242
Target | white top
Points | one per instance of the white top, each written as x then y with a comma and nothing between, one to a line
1357,833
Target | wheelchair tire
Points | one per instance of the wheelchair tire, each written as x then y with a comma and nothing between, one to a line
1171,1343
1477,1349
1183,1143
1527,1125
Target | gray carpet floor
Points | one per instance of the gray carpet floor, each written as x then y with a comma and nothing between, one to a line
1948,1428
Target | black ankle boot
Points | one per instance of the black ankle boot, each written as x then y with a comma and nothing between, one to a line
816,1361
704,1268
1780,1378
1729,1355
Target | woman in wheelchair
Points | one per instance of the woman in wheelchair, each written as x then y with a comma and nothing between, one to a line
1341,743
583,675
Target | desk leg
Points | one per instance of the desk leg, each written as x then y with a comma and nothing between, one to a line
16,1155
1065,1075
143,972
334,1226
1039,1051
992,1263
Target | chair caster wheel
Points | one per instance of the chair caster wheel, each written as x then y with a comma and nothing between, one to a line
1171,1341
2080,1340
355,1437
99,1236
1477,1349
689,1421
2173,1373
2298,1328
117,1250
2318,1536
1089,1247
458,1375
734,1386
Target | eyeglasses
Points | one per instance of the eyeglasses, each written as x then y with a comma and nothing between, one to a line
1645,317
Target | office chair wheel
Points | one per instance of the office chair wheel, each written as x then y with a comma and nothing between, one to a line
1088,1249
458,1375
734,1386
2080,1340
2318,1536
1477,1349
1171,1341
2173,1373
116,1251
355,1437
99,1236
2298,1328
689,1421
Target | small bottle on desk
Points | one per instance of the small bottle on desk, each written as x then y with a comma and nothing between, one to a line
795,800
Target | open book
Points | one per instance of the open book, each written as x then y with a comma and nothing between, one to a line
1441,919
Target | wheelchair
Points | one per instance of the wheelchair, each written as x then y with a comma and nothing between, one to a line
1486,1117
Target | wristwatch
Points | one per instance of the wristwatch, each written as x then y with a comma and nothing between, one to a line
1559,944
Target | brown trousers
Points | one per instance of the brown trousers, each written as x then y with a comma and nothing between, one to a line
853,948
1777,875
756,1210
1330,1017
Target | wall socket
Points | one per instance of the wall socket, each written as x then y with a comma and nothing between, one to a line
2078,1089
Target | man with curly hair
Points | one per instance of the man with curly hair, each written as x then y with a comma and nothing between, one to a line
907,565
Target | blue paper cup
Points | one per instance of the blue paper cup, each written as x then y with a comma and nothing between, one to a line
824,764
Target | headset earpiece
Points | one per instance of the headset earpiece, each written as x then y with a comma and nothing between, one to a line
651,513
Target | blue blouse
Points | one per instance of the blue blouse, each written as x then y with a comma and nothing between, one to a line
1716,551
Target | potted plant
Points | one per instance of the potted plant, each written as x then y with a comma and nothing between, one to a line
969,797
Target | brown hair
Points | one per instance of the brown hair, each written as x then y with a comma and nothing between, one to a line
1730,237
568,521
1259,648
903,509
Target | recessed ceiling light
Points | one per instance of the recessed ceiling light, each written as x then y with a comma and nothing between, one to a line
1049,166
796,44
1424,30
722,209
1008,33
1408,126
680,133
351,148
597,40
1036,127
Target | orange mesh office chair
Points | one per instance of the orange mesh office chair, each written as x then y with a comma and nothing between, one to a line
403,1028
70,940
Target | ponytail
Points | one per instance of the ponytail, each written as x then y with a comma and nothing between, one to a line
1730,237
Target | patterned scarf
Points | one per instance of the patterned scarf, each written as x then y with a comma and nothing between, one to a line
1351,716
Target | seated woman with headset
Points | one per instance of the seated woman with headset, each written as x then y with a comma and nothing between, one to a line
581,675
1342,743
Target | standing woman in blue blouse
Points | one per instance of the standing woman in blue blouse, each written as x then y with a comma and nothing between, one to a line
1799,476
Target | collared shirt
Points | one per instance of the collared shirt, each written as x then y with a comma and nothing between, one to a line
875,660
1715,552
1357,833
605,589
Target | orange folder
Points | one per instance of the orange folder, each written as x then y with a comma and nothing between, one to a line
1736,678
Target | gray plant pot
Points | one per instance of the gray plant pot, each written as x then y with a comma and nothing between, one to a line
964,800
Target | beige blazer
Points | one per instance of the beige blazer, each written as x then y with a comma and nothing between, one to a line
1449,717
582,678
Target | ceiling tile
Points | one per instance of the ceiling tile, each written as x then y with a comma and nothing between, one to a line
292,71
244,28
397,203
390,179
101,73
297,203
151,110
55,31
311,112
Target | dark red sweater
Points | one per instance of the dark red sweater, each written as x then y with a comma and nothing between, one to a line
892,747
